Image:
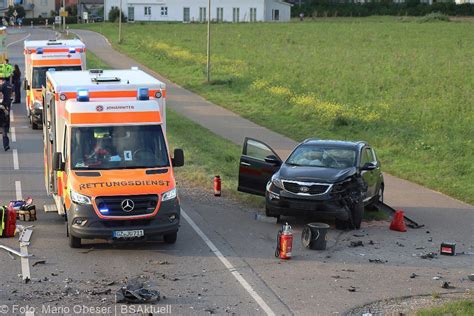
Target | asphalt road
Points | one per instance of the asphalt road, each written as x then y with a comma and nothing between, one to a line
223,260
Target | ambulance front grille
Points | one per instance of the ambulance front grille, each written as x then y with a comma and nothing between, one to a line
129,205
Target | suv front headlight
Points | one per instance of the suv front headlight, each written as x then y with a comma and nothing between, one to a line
80,198
277,182
171,194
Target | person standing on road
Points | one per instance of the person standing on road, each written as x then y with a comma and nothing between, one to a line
5,107
16,79
8,70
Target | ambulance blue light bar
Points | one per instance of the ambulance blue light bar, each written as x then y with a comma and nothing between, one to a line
104,210
82,95
39,50
51,69
72,50
142,94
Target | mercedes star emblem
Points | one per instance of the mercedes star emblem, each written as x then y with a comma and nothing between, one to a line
128,205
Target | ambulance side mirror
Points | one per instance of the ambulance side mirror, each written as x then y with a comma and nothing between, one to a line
26,86
178,158
58,164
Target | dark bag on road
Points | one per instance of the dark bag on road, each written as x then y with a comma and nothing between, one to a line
8,221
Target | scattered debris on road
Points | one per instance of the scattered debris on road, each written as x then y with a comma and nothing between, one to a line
448,248
352,289
38,262
377,261
399,244
357,243
413,275
447,285
429,255
136,291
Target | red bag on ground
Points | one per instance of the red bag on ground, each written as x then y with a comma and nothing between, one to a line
398,222
8,221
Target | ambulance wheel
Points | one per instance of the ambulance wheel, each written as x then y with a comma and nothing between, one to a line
170,238
32,123
74,242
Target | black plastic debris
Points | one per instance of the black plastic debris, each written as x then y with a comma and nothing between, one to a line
357,243
377,261
413,275
447,285
429,255
399,244
136,292
38,262
352,289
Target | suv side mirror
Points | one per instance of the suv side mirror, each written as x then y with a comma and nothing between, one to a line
178,158
58,164
273,160
368,166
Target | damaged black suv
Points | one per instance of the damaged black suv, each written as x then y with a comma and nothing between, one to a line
336,178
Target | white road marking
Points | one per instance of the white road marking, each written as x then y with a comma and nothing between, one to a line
229,265
20,40
19,194
13,134
16,165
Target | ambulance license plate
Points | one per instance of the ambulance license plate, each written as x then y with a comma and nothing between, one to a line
128,233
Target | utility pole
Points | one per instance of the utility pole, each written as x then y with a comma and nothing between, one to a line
120,23
209,41
64,15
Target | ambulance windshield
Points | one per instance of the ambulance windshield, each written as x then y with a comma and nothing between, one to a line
39,74
118,147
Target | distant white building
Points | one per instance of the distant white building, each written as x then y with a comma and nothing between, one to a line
196,10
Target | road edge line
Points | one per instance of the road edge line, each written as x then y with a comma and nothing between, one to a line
229,265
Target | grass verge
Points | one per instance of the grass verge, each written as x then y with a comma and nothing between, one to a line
405,87
458,308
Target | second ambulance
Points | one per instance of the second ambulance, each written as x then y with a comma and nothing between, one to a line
107,163
41,56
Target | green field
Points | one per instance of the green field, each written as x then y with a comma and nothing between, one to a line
405,87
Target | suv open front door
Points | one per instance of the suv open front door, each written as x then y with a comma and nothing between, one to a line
257,165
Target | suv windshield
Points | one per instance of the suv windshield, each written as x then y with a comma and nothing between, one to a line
39,74
325,157
118,147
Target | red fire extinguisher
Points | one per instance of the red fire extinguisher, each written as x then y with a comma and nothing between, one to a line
217,186
284,242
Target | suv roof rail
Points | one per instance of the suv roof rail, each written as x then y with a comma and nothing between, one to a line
310,139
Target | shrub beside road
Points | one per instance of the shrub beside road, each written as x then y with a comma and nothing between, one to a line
405,87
